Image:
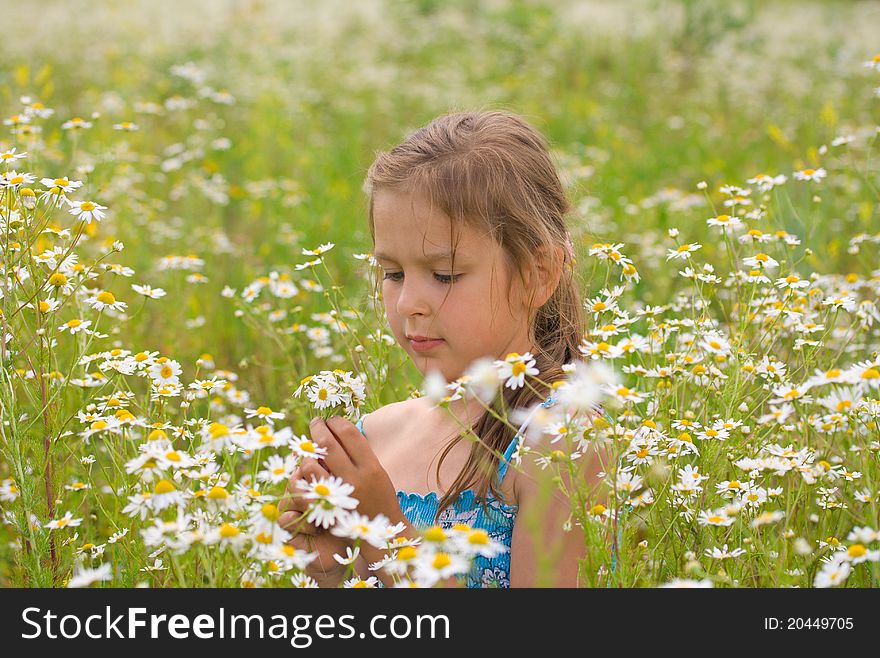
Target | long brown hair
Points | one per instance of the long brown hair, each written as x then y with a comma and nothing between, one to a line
492,170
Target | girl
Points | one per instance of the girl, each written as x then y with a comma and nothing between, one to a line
467,217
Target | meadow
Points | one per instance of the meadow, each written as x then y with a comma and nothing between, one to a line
187,266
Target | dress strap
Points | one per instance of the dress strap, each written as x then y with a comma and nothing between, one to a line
360,424
508,454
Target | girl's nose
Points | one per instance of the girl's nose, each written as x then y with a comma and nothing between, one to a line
412,299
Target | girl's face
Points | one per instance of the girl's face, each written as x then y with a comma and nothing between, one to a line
413,247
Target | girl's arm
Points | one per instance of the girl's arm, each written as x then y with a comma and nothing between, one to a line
542,554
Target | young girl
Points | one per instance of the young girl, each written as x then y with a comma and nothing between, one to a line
467,217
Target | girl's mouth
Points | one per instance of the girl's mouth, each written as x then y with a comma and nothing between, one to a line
425,345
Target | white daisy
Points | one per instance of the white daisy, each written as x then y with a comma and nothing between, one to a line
514,369
86,211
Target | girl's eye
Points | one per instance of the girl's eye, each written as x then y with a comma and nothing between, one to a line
442,278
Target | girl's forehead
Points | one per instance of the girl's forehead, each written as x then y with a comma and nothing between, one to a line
406,224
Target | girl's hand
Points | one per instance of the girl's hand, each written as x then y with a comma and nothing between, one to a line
350,457
293,506
326,571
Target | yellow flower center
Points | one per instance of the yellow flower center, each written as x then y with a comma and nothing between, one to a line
322,490
270,511
435,533
57,279
216,430
227,531
163,487
856,550
762,258
87,206
264,411
106,297
406,553
598,509
870,373
478,536
307,446
218,493
441,560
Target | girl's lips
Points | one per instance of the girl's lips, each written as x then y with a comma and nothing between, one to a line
425,345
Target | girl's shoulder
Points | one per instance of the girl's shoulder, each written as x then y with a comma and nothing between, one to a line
392,416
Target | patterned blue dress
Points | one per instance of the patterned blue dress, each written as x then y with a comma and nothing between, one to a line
420,510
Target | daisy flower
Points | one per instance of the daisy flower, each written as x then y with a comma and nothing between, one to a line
483,379
324,248
86,211
358,583
716,517
277,469
105,299
761,261
14,179
148,291
302,581
76,123
725,222
792,282
683,252
723,553
74,326
165,372
332,499
84,576
514,369
767,517
356,526
67,521
264,413
624,394
165,494
303,446
832,574
11,156
811,174
228,535
766,183
8,491
64,184
687,583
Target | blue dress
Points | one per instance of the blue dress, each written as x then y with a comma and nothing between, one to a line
420,510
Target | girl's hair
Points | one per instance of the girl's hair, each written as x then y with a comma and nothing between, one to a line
492,171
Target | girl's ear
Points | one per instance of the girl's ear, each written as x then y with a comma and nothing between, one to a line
547,270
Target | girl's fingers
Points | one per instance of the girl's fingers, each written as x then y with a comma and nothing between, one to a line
337,459
295,522
352,441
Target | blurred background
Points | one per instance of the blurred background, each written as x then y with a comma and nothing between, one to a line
255,122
